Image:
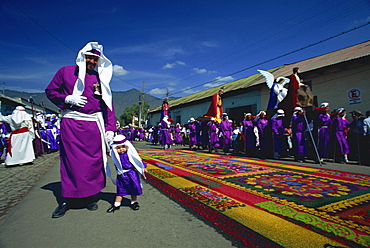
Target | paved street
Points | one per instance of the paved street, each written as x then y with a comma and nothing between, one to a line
29,196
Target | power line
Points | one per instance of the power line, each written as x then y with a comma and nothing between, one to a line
56,38
273,35
278,57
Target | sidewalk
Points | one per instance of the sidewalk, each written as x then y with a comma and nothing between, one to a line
160,222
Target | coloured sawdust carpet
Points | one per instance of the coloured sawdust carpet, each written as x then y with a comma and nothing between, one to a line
259,203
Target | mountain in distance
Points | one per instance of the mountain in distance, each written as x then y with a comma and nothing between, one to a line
121,99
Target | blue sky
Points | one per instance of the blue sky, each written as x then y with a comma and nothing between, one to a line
181,46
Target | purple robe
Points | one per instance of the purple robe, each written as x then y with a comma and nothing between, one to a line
249,136
278,131
37,142
323,123
214,141
264,134
50,133
166,135
128,183
299,140
3,139
81,155
227,131
193,137
141,134
339,126
177,135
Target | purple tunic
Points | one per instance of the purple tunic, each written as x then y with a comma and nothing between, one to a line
298,128
128,183
250,137
278,135
193,137
264,133
339,126
81,158
227,131
177,135
166,135
214,141
51,138
323,123
37,142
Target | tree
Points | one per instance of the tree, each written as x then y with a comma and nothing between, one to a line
129,112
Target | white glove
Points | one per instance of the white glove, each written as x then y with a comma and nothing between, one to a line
109,135
77,100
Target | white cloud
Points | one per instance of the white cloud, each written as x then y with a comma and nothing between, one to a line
119,70
172,65
168,66
212,85
224,79
218,81
158,91
203,71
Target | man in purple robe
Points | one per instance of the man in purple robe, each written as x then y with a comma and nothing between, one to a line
299,127
249,136
214,141
340,124
87,125
226,132
166,133
279,133
177,134
322,130
264,134
193,136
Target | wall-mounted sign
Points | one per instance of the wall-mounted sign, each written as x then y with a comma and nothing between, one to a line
354,96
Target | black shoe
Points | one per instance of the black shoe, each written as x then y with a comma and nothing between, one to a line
92,206
60,210
112,209
135,206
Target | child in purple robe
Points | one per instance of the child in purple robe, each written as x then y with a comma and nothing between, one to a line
340,124
129,166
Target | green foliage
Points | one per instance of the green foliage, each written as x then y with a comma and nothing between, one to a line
126,117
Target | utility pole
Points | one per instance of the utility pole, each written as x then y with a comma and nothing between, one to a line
3,88
141,102
167,94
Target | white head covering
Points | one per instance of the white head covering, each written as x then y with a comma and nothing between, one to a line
324,104
133,156
296,110
279,113
192,119
19,115
105,71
